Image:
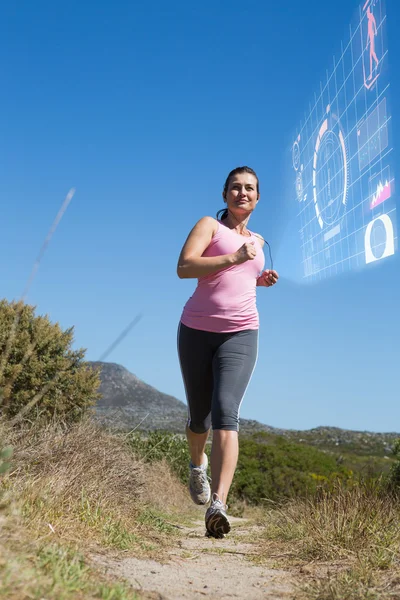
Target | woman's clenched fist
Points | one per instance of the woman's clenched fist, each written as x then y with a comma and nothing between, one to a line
245,253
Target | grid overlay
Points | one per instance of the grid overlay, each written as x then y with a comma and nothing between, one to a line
343,157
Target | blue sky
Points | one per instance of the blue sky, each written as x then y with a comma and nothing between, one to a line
144,108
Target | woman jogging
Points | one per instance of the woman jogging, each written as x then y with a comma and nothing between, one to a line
218,338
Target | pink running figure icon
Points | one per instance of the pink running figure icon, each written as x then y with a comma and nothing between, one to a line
372,32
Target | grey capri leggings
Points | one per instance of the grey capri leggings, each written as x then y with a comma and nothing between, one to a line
216,370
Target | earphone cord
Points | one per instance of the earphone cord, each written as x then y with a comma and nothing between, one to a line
261,237
269,250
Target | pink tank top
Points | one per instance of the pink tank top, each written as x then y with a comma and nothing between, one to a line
225,301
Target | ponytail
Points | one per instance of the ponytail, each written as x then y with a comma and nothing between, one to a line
222,214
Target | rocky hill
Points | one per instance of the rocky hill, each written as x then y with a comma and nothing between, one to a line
128,403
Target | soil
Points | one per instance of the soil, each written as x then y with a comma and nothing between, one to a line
201,567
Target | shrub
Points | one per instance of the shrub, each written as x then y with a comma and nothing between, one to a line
282,469
39,372
394,474
162,445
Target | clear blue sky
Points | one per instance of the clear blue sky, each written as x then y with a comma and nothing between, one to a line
144,108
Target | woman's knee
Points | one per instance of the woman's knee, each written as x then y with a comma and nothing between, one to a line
200,426
225,421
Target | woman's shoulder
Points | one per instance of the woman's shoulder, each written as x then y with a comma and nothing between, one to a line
209,223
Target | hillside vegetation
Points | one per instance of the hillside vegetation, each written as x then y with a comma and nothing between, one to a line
70,488
270,467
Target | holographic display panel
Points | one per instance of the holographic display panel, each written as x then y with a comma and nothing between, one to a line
342,157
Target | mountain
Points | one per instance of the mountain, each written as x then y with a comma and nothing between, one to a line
128,403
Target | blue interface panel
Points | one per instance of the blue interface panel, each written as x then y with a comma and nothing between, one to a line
342,157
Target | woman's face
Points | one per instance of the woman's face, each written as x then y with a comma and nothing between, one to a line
242,195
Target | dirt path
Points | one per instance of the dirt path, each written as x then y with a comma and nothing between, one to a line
199,567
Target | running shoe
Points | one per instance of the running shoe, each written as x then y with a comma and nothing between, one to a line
217,523
199,485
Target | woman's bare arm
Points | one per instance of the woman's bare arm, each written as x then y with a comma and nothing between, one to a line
192,264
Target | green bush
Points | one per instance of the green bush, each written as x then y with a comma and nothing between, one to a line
394,474
278,469
40,375
159,445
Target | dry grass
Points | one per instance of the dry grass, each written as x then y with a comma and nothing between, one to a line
356,528
84,484
73,490
81,457
355,583
171,495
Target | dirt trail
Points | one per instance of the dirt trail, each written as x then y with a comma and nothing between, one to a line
199,567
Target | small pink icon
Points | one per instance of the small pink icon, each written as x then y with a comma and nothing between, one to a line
383,192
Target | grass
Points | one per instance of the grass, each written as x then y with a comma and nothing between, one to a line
357,529
358,583
55,572
67,492
86,485
32,568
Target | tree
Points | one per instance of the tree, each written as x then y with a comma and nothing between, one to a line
40,375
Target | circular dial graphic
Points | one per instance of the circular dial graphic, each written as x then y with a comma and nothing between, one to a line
330,172
378,239
296,155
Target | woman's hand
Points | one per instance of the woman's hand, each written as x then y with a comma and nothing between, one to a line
246,252
267,278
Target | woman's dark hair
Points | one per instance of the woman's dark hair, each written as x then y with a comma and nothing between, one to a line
223,213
